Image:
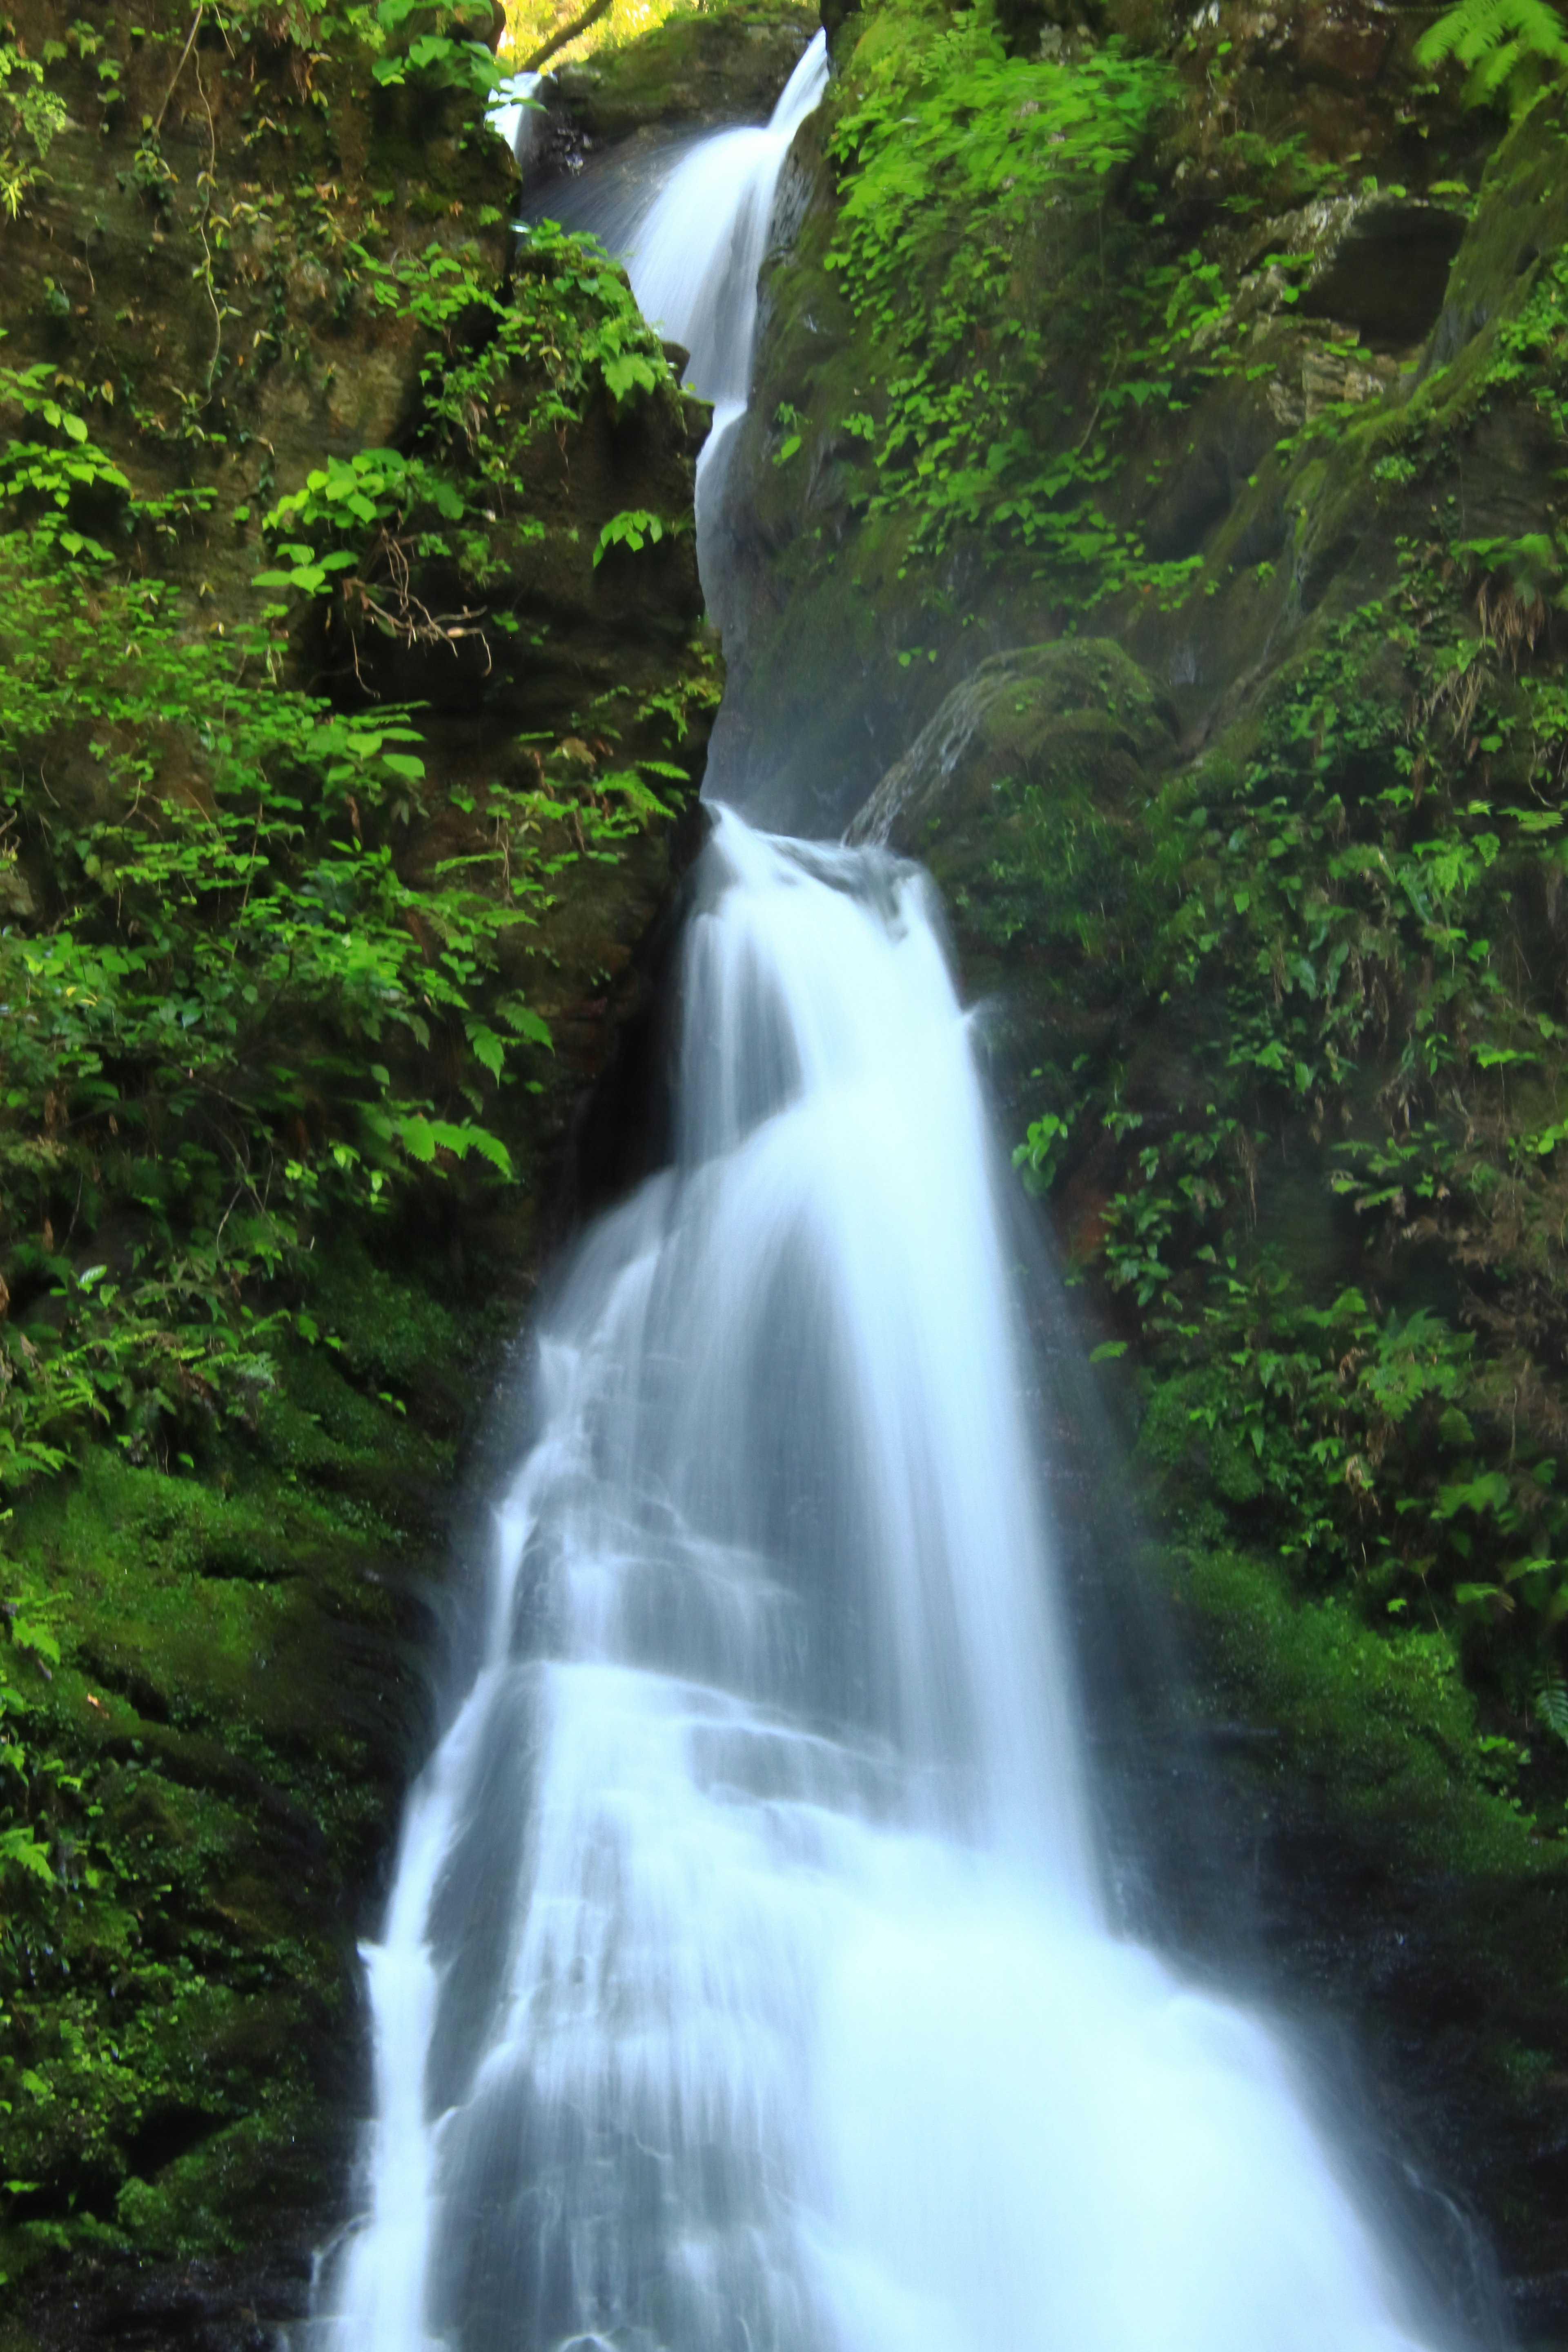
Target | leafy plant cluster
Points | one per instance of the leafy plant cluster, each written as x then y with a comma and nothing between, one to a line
964,175
237,992
1027,299
218,968
417,40
31,116
1510,50
1360,921
500,375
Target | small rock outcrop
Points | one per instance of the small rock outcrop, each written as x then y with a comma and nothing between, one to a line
1058,720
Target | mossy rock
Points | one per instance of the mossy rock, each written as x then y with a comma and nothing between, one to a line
1064,720
1025,795
727,64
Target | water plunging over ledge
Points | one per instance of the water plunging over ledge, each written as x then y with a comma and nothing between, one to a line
694,254
693,225
747,1984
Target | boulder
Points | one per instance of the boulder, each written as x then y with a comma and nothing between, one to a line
1073,715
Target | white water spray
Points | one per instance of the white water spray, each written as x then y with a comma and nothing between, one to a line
746,1985
514,114
693,256
746,1982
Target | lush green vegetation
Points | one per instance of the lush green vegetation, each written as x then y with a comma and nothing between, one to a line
952,156
225,967
1510,48
326,802
1362,903
1338,917
281,951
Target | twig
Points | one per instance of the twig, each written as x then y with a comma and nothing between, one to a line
210,176
179,69
547,49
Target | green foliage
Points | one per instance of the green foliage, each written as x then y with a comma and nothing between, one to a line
1509,47
965,174
1342,922
230,950
498,374
31,115
240,995
633,528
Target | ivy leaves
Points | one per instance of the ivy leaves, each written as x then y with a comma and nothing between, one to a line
1507,48
954,160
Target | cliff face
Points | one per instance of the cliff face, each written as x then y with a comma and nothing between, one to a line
1149,519
322,901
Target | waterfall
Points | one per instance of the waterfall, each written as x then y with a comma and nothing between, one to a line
691,224
747,1983
693,255
513,114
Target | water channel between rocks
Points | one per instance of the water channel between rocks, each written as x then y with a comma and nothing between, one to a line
749,1982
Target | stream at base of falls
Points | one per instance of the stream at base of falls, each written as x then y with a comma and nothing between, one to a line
748,1983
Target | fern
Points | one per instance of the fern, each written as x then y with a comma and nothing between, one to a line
1509,47
1552,1703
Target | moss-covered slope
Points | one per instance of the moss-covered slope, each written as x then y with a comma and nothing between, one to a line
322,894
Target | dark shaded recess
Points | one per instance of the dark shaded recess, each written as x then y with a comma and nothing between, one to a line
1389,274
206,2306
623,1129
1458,325
1201,497
168,2132
1266,533
835,15
1207,482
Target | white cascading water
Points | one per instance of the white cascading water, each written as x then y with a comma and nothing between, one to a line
694,254
514,114
747,1985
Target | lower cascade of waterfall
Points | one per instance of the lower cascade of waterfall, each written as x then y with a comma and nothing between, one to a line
746,1986
747,1983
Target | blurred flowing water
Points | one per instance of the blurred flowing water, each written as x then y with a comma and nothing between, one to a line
748,1984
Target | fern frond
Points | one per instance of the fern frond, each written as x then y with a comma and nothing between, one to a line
1504,45
1552,1703
1492,73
